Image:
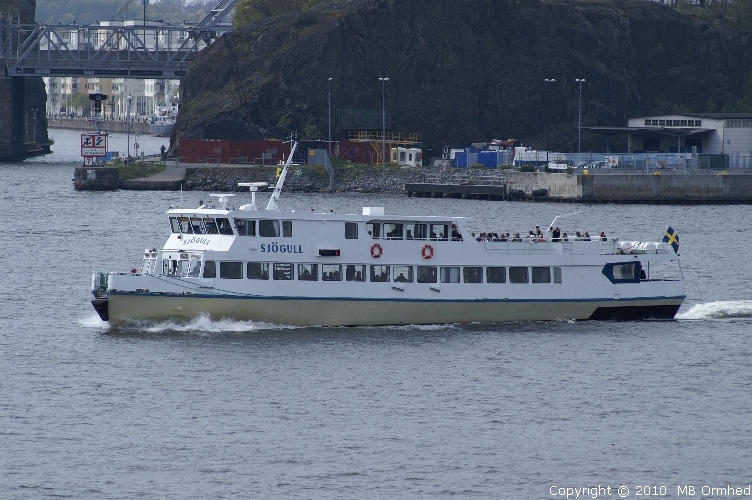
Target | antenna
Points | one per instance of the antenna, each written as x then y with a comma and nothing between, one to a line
272,205
222,198
253,186
553,222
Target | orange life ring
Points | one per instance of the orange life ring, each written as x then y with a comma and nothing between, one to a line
376,250
427,252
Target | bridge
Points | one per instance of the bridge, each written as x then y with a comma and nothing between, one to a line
109,49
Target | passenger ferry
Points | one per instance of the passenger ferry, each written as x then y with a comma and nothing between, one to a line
305,268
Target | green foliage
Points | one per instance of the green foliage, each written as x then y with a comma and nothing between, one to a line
250,10
137,170
312,133
89,11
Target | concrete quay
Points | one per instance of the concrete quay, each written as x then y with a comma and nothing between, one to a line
615,186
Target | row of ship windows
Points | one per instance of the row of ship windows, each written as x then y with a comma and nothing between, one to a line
674,123
373,273
267,228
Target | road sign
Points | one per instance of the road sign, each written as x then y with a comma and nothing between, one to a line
89,160
93,144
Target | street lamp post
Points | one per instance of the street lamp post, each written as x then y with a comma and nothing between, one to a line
548,121
128,117
579,116
383,118
330,117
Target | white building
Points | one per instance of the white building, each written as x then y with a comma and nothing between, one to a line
713,133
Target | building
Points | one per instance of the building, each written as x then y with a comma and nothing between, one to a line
711,133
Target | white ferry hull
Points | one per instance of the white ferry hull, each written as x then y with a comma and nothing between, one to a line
335,312
161,129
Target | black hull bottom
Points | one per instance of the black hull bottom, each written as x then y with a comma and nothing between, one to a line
634,313
101,306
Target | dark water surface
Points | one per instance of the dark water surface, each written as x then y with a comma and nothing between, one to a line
225,409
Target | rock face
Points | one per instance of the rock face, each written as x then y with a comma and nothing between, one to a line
464,71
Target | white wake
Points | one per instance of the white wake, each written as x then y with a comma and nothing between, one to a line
199,324
722,309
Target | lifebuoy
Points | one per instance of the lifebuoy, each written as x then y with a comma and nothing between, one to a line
376,250
427,252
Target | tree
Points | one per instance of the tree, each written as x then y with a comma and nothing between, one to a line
250,10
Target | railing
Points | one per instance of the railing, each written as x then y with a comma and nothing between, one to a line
467,177
376,135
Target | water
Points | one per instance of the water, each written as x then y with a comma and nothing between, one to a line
225,409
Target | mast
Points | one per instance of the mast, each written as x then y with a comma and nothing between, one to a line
272,205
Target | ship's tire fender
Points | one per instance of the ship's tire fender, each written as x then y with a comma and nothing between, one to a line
427,252
376,250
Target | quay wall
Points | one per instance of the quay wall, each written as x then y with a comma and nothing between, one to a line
689,187
561,186
108,125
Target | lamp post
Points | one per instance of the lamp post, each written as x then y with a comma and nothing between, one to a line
383,118
579,115
128,117
330,117
548,121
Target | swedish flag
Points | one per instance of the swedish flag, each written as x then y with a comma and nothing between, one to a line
672,238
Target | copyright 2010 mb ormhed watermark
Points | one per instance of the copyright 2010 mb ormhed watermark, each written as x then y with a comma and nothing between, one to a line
642,491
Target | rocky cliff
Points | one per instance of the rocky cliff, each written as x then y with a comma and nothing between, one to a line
463,71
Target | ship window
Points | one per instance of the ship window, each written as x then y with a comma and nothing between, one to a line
282,271
439,231
351,231
393,231
472,274
557,275
287,229
308,272
450,274
269,228
417,231
245,227
403,274
355,272
647,122
231,270
147,266
623,272
661,123
210,226
257,271
374,229
426,274
196,225
194,268
185,225
379,273
331,272
541,275
210,269
518,275
496,275
183,267
224,226
174,225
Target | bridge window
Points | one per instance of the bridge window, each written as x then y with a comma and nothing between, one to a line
196,225
185,225
287,229
496,275
426,274
440,232
224,227
269,228
210,225
257,271
245,227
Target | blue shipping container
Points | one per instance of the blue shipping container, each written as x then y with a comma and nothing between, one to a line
488,159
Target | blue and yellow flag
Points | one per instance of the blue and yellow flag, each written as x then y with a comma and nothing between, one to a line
672,238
